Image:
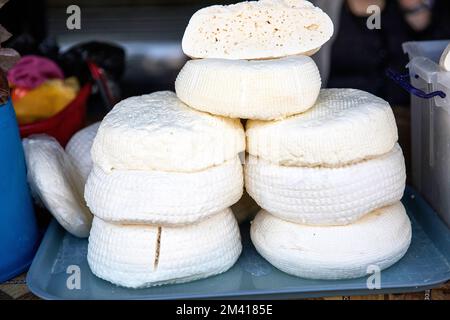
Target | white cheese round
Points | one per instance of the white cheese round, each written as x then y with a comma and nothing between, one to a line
262,89
159,197
159,132
51,179
344,126
327,196
78,150
444,61
379,239
257,30
139,256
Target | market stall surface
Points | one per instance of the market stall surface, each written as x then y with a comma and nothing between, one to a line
16,289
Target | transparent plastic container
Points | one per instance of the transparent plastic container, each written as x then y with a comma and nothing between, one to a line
430,124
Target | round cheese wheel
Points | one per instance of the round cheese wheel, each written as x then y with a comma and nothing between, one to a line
327,196
139,256
444,61
265,90
257,30
51,179
159,197
158,132
79,151
379,239
344,126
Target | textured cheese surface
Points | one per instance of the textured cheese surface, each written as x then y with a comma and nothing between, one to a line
78,150
141,256
257,30
327,196
334,252
159,132
444,62
163,197
256,89
50,175
344,126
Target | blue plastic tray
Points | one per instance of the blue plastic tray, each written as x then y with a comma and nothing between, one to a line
426,265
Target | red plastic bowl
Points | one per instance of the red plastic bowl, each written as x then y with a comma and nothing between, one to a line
65,123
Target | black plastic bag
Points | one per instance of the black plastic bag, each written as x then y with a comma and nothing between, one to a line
109,57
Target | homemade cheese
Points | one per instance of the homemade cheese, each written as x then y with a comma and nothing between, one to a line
326,196
139,256
51,179
257,30
78,150
344,126
444,62
379,240
265,90
159,197
158,132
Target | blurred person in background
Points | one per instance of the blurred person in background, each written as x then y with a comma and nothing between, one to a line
358,57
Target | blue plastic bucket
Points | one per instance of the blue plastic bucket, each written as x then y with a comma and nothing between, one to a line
18,228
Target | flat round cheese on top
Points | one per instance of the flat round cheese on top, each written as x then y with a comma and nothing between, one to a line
139,256
163,198
255,89
257,30
344,126
327,196
333,252
78,150
159,132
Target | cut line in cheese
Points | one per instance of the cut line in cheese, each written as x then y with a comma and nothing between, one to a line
334,252
158,132
168,198
257,30
131,256
265,90
51,179
344,126
327,196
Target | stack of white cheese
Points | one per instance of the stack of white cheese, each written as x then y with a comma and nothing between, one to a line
162,181
330,181
325,165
